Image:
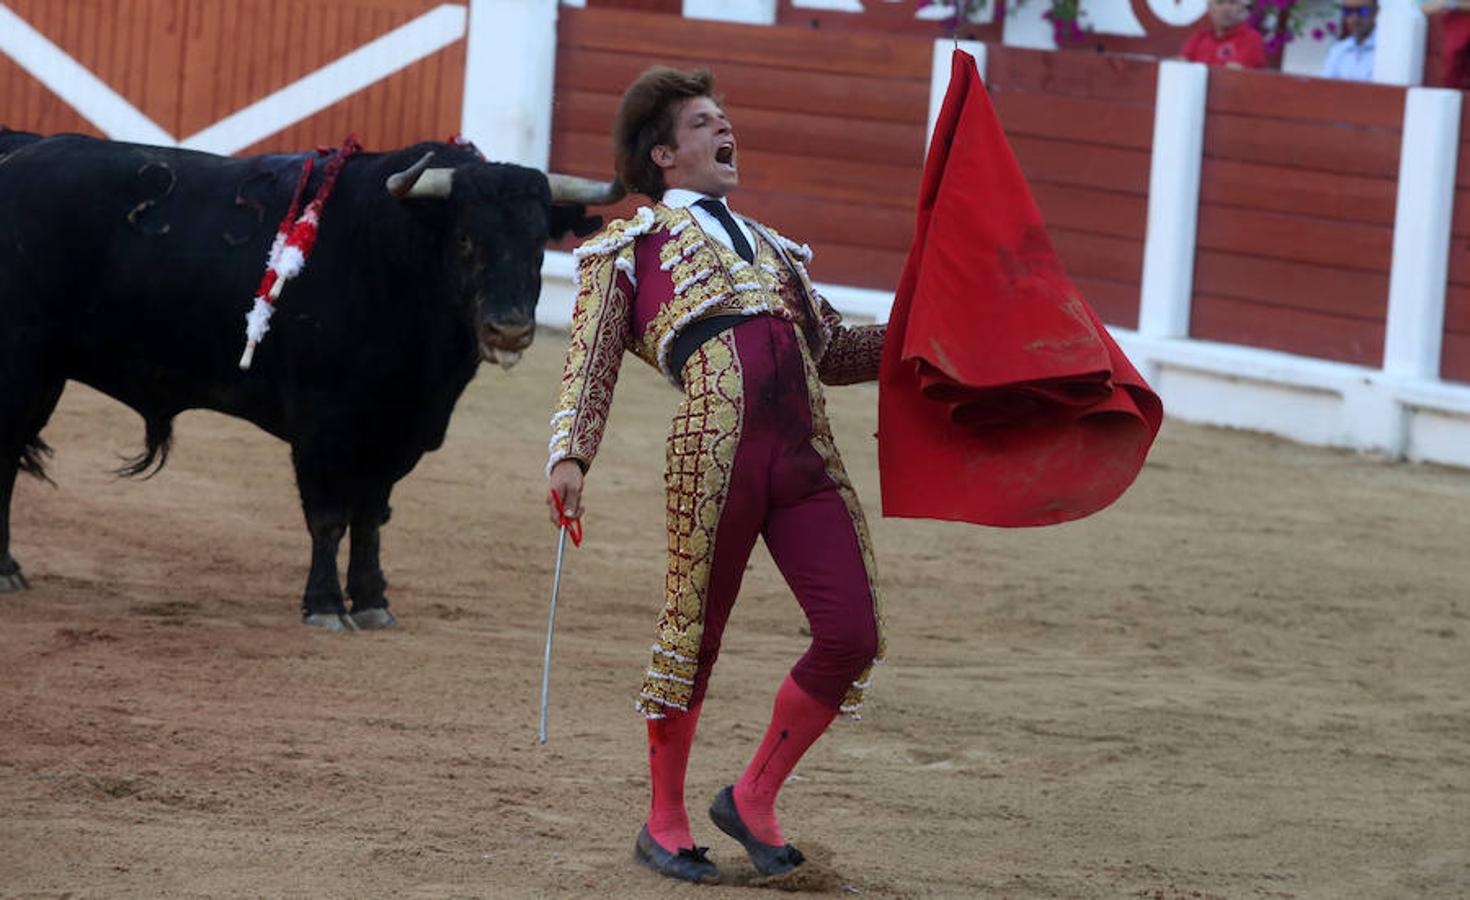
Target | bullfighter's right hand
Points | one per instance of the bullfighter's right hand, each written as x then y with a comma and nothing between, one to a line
566,483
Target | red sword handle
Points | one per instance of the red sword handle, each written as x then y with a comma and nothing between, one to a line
572,525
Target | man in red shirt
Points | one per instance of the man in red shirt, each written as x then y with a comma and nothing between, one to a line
1227,40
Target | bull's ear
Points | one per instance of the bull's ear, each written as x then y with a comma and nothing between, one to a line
572,217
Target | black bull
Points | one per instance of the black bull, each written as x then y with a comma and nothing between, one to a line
130,269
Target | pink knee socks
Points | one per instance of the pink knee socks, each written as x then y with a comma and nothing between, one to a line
669,740
797,720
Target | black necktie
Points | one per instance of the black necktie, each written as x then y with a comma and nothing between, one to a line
737,237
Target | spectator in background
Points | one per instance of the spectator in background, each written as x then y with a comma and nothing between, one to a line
1351,59
1226,39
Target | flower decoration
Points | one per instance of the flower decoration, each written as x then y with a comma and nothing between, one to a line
1282,21
1065,18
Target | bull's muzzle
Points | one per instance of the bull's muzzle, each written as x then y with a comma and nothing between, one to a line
503,343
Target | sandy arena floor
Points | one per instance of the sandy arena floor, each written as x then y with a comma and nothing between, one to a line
1247,679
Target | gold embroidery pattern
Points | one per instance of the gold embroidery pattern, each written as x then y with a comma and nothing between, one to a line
594,357
706,279
700,455
796,286
826,447
853,354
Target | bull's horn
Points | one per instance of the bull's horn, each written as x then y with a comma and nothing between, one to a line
418,180
571,189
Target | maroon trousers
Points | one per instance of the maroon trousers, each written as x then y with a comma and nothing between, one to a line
786,484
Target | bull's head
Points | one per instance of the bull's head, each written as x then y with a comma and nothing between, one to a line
501,218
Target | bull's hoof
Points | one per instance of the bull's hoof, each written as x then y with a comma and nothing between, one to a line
10,578
372,619
330,621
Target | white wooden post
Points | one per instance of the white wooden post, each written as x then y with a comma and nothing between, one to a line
748,12
1173,200
939,75
510,70
1400,35
1421,233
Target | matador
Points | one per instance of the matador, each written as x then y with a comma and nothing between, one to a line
723,307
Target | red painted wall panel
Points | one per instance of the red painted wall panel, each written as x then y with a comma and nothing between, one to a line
831,126
1081,127
1295,232
186,64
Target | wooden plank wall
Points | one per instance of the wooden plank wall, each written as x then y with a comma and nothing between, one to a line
1081,126
830,127
1296,214
188,63
1455,352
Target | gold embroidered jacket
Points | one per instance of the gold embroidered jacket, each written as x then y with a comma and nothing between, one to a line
641,281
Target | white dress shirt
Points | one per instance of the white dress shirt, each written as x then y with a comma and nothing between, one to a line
679,198
1349,60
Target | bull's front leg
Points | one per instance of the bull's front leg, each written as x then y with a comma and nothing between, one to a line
10,577
323,605
365,582
323,500
25,404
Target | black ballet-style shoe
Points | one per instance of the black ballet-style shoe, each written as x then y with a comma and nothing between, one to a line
767,858
688,864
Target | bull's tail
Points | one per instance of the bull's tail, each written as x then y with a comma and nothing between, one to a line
158,439
33,458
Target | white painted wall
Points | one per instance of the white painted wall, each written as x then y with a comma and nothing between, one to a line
1399,55
855,6
1111,17
510,70
938,12
748,12
1178,12
1305,56
1421,235
1173,199
939,75
1024,26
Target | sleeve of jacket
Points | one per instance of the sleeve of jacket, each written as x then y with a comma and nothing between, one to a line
853,351
601,332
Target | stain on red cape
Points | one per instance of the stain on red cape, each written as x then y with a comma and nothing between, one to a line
1002,399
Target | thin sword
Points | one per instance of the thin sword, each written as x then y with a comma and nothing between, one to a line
561,547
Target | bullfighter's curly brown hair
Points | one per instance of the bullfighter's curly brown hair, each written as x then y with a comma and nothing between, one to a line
646,119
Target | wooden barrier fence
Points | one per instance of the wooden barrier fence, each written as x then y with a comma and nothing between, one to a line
1298,184
1081,127
830,127
186,64
1296,214
1455,356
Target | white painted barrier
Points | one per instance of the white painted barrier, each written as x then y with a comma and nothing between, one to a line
939,75
1167,287
1400,36
509,76
1421,234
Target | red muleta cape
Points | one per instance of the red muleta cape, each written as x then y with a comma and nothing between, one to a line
1002,399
